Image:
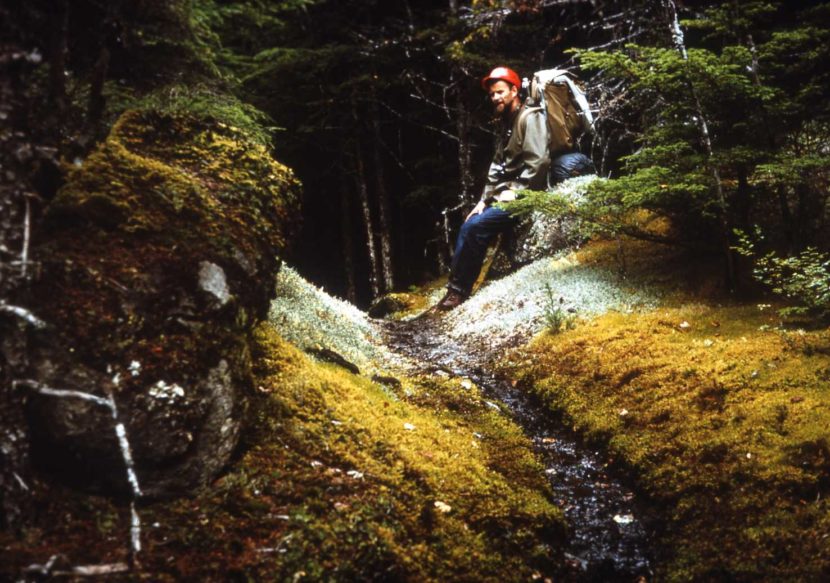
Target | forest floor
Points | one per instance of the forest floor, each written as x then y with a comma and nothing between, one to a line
716,409
693,426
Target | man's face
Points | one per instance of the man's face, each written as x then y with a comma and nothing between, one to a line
502,94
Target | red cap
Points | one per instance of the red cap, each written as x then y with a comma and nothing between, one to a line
502,74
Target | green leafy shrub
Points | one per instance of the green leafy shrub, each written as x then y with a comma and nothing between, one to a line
803,279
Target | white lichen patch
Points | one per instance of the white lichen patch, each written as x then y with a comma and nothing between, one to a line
516,305
500,314
166,392
308,317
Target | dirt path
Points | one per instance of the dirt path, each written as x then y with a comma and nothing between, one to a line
609,540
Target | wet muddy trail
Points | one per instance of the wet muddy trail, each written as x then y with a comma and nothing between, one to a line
607,524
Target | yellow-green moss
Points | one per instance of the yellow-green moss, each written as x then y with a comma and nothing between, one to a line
184,178
723,419
343,479
351,481
405,305
127,233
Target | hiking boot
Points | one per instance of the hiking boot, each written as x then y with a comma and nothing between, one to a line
451,300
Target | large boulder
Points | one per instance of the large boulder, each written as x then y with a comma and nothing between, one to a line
539,234
158,257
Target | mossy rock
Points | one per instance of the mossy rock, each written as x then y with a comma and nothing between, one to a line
535,236
340,479
397,305
425,483
159,256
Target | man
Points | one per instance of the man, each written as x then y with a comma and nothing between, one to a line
520,162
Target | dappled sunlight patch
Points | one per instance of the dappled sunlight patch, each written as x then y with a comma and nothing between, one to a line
720,414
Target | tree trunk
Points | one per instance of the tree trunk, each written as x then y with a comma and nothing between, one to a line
346,240
366,209
96,102
15,467
410,18
388,280
465,154
783,203
703,125
58,48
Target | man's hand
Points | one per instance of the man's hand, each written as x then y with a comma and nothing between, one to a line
506,196
477,210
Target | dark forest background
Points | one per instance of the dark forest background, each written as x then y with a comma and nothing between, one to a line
378,108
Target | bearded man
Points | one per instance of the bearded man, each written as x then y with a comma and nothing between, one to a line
520,162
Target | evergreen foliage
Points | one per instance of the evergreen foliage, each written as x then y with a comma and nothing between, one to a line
751,73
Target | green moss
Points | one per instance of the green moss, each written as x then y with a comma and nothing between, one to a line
398,306
203,102
343,480
178,175
405,305
351,482
163,193
723,420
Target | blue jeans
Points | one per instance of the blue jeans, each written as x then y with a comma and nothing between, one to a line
475,236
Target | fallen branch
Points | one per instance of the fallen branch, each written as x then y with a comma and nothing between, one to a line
27,228
126,454
50,569
23,314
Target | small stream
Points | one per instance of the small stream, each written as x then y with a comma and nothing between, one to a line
608,538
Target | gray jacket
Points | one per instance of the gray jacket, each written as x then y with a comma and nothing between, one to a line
522,154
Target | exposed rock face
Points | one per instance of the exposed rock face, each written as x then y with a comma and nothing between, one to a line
158,259
536,236
539,235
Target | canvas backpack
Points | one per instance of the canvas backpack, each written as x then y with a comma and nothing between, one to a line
566,108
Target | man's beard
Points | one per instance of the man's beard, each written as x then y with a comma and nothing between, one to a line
504,111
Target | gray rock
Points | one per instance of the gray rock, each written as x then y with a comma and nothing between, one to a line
212,280
180,436
536,236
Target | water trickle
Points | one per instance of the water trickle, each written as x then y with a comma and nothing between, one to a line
607,524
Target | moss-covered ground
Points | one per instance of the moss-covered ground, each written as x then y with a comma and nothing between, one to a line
340,478
719,411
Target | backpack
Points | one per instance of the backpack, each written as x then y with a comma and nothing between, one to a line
566,108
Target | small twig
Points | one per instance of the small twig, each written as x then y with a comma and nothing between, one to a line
617,41
444,133
23,314
46,569
95,570
20,481
44,390
24,255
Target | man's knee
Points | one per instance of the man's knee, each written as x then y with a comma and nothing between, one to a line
470,227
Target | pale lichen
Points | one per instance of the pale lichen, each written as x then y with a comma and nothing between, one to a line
513,308
310,318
